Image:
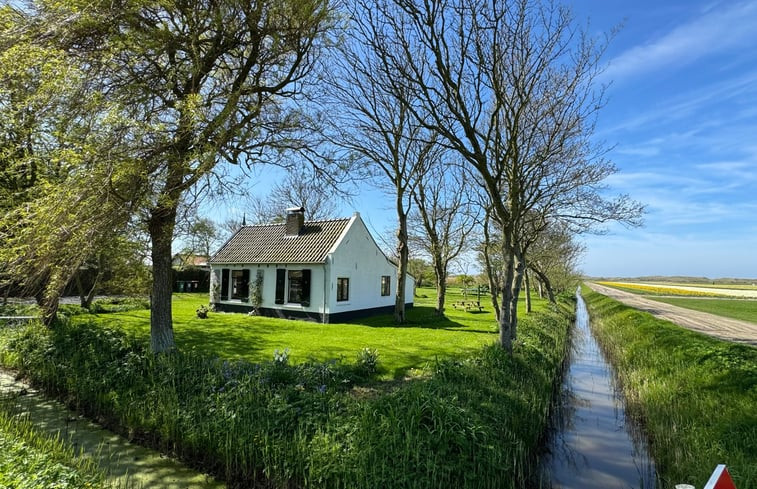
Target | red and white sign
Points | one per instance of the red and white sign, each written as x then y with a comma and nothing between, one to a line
720,479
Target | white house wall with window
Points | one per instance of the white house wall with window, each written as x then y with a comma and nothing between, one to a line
328,271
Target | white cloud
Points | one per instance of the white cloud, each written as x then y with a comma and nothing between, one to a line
717,30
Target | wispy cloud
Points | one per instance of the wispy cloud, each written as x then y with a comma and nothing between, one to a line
716,30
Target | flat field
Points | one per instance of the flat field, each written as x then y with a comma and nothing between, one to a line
743,309
424,339
670,289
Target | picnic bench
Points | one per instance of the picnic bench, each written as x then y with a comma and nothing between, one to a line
468,305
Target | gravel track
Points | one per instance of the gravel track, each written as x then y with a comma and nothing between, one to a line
718,326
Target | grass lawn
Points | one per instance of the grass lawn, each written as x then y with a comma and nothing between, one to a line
743,309
401,348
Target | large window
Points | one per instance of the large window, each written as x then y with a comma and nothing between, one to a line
342,289
386,286
296,284
240,285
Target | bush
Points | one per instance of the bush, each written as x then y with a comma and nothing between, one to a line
119,304
367,361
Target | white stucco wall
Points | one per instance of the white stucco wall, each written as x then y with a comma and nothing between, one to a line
358,257
269,285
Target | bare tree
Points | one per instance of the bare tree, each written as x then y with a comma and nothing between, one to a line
511,87
373,123
300,188
446,219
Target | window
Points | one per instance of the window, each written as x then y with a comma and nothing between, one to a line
386,285
225,284
342,289
240,285
297,287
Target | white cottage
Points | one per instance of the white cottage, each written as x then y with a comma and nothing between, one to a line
328,271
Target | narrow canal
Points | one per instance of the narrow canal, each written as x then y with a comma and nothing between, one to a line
126,465
594,444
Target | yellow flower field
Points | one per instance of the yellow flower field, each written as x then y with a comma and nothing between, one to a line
662,290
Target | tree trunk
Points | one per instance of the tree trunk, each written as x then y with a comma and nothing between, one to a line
519,268
494,286
161,225
441,288
507,315
86,297
528,291
403,254
547,284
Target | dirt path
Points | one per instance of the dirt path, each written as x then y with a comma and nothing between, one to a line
720,327
126,464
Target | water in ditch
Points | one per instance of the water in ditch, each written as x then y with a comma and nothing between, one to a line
127,465
593,444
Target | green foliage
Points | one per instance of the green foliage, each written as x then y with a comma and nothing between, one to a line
368,361
240,336
119,304
467,422
695,395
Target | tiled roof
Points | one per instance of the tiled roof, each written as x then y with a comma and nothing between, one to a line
269,244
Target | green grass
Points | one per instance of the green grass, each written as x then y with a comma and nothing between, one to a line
416,344
30,460
695,395
473,420
743,309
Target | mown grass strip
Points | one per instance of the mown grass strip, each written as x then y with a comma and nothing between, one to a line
696,396
742,309
30,460
469,422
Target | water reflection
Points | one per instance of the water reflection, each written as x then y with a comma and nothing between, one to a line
593,444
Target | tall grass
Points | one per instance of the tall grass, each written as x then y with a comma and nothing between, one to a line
468,423
696,395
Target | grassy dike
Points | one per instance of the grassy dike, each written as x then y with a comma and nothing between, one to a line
474,422
695,395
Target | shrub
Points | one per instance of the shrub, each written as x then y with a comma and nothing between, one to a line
202,312
368,361
119,304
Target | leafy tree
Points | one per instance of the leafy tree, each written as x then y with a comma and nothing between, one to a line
420,269
184,86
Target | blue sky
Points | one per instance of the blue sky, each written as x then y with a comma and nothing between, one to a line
681,119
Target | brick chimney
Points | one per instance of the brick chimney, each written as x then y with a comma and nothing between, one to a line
295,221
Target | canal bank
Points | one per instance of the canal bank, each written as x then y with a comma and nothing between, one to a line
592,443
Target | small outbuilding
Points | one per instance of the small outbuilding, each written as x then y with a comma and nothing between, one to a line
327,271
